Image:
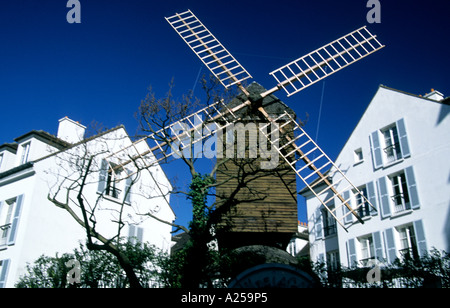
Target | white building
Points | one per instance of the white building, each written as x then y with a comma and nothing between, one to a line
299,244
399,156
39,166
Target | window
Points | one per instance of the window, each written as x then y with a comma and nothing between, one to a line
1,161
9,220
361,202
399,193
135,234
112,183
389,144
407,240
333,260
4,264
358,156
329,223
25,153
6,210
366,250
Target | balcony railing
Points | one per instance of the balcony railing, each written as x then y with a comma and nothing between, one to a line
392,152
330,229
401,202
366,262
409,253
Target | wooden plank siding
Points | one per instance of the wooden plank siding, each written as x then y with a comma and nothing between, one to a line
266,200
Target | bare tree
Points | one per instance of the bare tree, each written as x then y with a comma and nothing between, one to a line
82,180
155,117
83,183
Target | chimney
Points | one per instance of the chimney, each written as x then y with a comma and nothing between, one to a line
70,131
434,95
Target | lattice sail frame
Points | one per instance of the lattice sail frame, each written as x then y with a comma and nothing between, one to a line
175,138
209,50
296,151
292,78
313,67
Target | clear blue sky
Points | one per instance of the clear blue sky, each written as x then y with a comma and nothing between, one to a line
99,70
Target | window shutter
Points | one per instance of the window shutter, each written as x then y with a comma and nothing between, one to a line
1,231
349,218
318,224
377,158
403,139
391,251
102,176
127,190
140,234
4,272
412,188
385,205
132,233
15,221
372,197
420,238
351,252
321,258
378,246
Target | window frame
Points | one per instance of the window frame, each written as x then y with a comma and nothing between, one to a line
6,219
358,156
25,154
406,236
364,210
391,148
399,192
366,250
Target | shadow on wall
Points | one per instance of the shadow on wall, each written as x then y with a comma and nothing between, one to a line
445,110
447,229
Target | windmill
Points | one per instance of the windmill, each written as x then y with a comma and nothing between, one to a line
299,151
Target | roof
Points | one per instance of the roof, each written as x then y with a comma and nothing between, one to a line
70,145
46,137
415,95
12,147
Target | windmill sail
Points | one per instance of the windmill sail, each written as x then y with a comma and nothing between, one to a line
178,138
311,68
304,156
210,51
310,163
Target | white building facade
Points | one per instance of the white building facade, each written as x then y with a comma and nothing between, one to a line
398,155
40,167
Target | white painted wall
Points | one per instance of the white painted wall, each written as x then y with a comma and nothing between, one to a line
44,228
427,126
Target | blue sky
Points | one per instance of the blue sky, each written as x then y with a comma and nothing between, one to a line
99,70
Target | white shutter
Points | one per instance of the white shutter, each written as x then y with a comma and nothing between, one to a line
391,251
420,238
4,266
15,221
102,176
351,253
412,188
377,157
385,205
403,139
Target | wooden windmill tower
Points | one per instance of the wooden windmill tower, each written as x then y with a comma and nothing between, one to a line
294,146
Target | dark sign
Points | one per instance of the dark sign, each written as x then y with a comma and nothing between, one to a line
273,275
